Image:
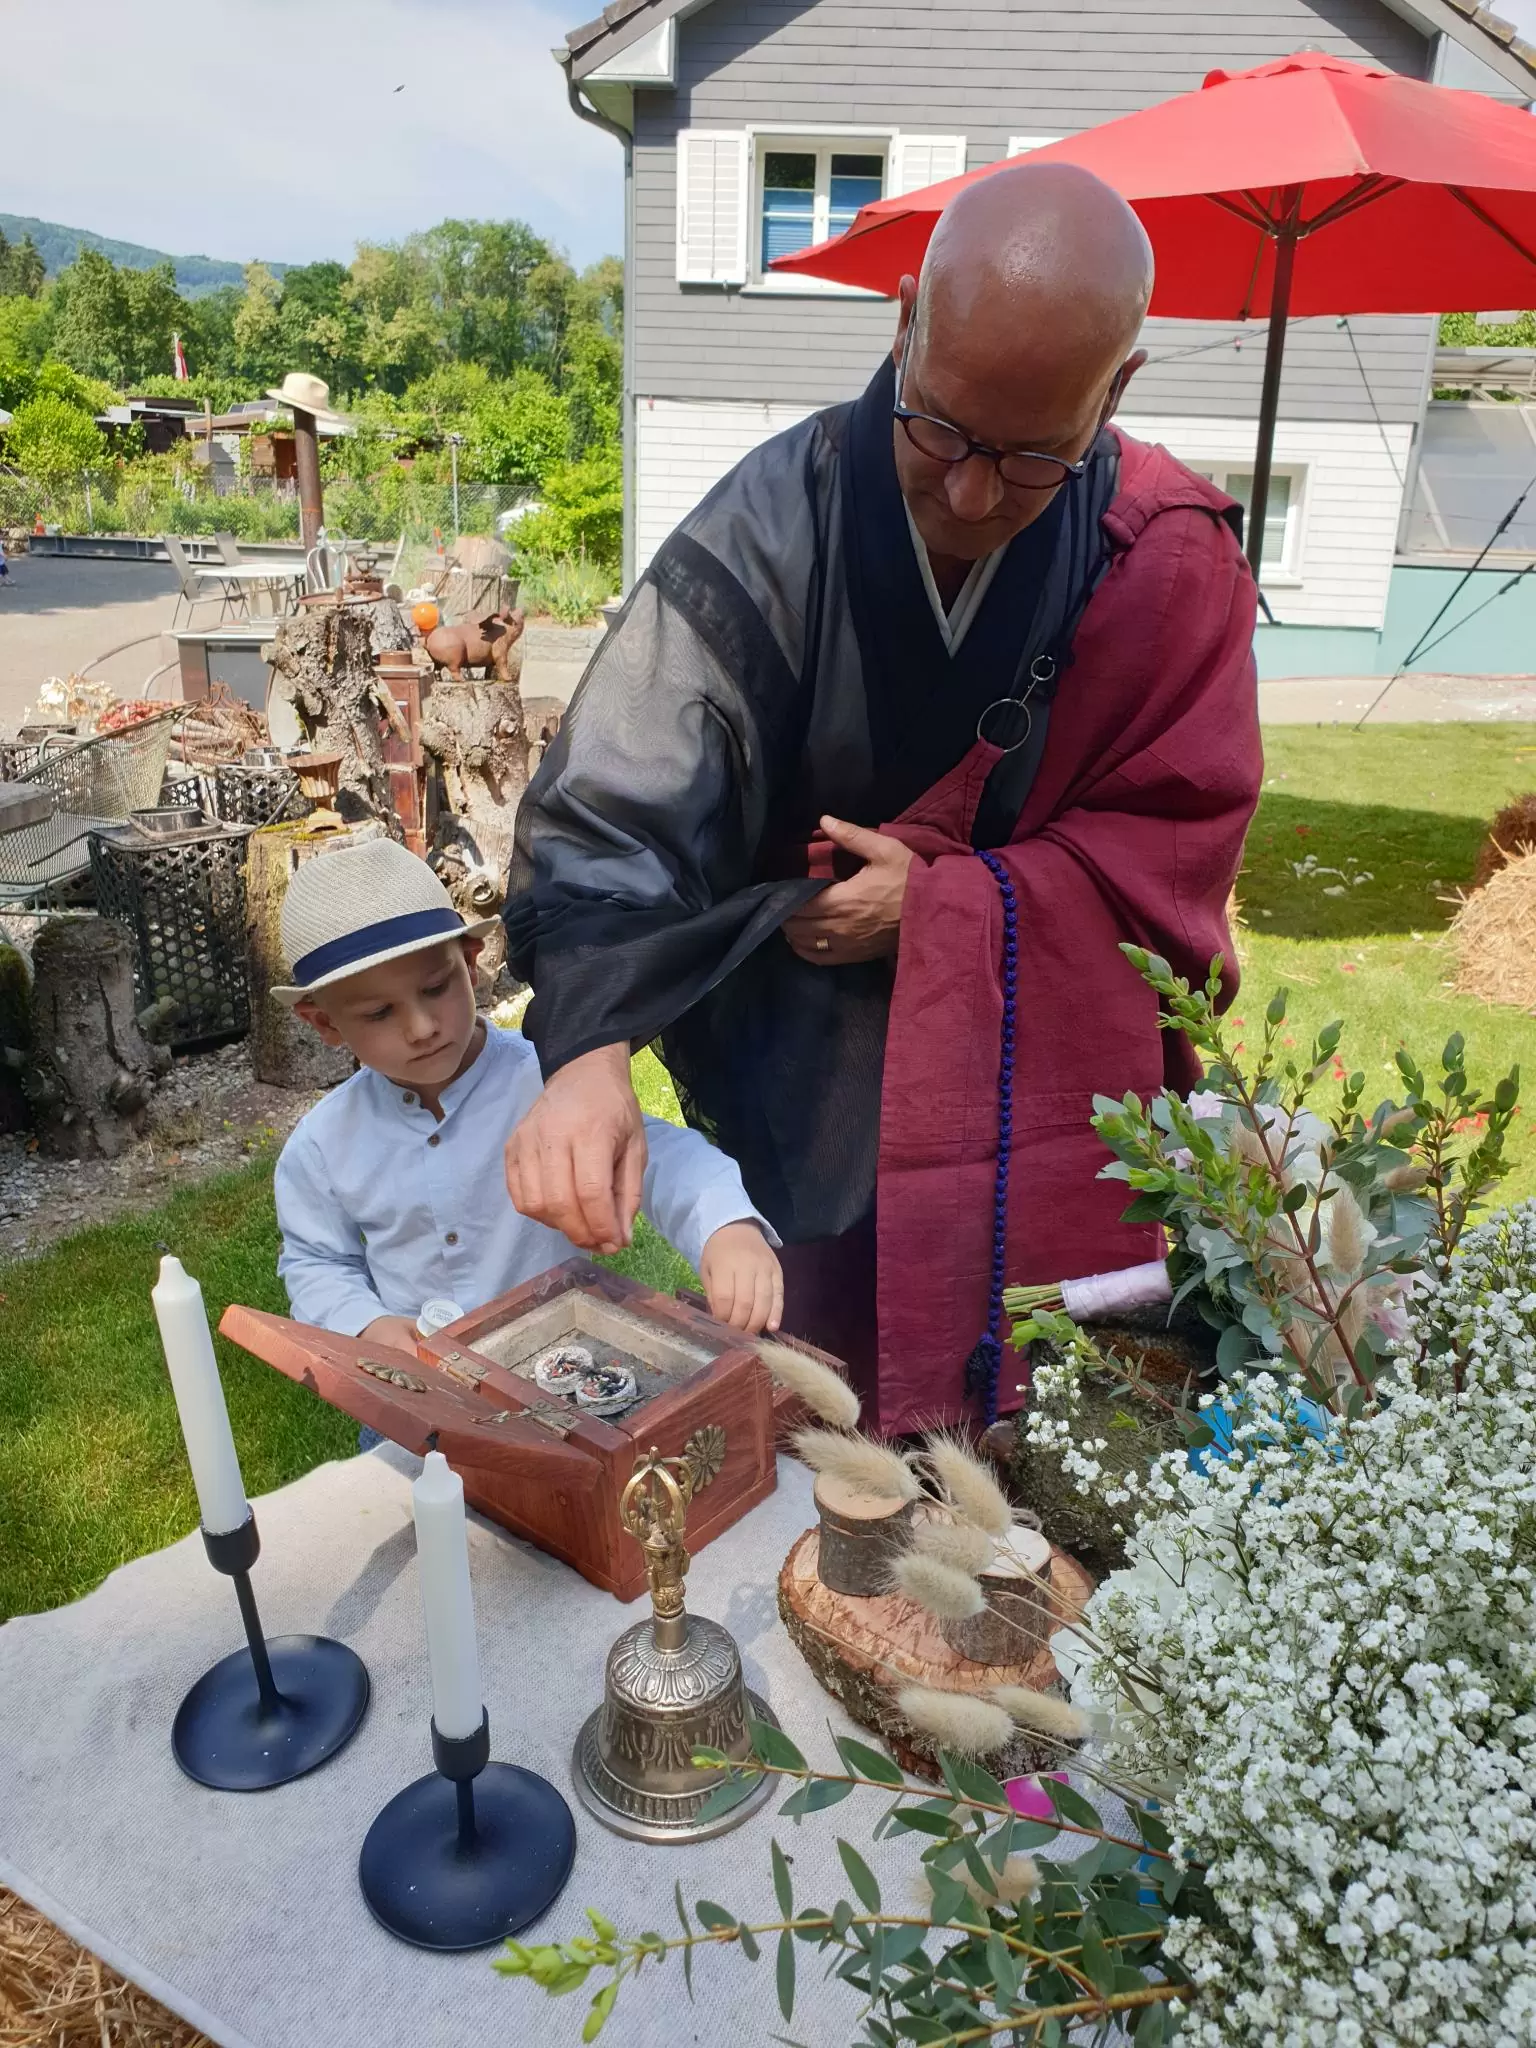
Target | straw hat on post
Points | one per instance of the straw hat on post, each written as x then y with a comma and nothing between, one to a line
303,393
360,907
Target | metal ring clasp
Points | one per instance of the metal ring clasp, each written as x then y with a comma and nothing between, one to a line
1041,670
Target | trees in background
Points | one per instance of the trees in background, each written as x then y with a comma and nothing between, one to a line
21,268
478,329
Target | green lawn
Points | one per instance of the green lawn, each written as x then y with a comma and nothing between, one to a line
91,1466
1406,806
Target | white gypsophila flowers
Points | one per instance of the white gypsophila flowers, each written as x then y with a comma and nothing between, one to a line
1343,1634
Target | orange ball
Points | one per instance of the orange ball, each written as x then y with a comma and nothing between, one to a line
425,617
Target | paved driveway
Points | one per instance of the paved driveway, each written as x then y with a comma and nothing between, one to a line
58,613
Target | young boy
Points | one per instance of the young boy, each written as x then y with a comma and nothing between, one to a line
391,1190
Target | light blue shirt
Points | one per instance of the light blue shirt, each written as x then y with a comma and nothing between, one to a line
382,1207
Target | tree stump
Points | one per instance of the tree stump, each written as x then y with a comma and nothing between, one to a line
1017,1616
323,662
864,1651
862,1534
475,738
15,1037
93,1072
284,1050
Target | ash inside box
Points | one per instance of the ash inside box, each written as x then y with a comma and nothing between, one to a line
614,1338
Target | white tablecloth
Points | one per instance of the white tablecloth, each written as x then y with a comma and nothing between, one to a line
242,1912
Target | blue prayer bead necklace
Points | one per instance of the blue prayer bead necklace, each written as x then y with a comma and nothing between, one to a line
984,1365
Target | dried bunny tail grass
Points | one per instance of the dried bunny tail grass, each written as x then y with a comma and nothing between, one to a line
1017,1881
1405,1179
957,1720
1346,1230
1041,1711
825,1392
940,1588
859,1462
974,1494
958,1544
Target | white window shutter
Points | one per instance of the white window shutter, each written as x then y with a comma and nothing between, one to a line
712,189
919,160
1021,145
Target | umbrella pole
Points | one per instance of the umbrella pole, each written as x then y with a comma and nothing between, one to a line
1269,397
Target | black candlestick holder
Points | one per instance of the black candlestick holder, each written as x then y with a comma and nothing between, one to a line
274,1710
468,1855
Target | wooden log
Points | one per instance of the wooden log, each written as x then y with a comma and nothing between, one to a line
15,1037
862,1651
284,1051
1017,1618
476,742
93,1071
861,1534
323,661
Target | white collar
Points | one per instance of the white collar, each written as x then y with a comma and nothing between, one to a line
955,623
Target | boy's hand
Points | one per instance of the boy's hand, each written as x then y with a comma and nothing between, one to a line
399,1331
742,1279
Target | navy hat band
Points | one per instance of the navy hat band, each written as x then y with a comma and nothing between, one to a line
382,937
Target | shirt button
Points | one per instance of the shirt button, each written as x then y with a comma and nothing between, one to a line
408,1100
433,1139
452,1237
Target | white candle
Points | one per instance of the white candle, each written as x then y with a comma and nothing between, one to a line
442,1554
199,1398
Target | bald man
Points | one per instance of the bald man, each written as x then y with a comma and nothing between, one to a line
941,694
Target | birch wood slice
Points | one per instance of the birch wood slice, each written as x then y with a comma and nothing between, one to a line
863,1651
860,1536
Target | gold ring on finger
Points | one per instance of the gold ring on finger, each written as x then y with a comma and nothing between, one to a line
823,945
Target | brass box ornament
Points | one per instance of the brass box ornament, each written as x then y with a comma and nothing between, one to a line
673,1683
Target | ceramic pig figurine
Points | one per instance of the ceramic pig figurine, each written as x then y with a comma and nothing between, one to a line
486,643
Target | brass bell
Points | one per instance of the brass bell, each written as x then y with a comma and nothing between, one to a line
673,1685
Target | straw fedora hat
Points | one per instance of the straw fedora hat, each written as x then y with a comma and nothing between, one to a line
307,394
360,906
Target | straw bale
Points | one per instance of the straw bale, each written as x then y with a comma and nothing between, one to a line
1512,833
1494,938
55,1994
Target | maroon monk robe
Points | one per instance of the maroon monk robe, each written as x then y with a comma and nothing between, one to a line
1133,831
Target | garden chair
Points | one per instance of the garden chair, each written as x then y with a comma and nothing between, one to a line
192,592
229,550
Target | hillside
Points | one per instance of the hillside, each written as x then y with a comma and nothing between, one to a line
58,246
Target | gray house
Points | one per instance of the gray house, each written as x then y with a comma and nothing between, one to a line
752,127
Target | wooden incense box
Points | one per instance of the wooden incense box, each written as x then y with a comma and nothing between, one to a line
533,1461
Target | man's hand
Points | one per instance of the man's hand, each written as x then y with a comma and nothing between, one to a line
399,1332
859,919
577,1159
742,1279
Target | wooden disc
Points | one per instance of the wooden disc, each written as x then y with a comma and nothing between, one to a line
851,1503
863,1650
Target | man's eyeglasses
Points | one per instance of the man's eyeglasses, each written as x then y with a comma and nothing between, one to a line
942,441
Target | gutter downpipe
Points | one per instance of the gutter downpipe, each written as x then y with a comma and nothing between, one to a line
585,111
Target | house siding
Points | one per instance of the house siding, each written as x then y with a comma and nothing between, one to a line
987,73
1351,488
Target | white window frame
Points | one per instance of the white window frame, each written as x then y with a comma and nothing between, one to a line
1288,569
1021,145
823,142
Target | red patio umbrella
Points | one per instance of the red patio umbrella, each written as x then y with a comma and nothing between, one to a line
1310,185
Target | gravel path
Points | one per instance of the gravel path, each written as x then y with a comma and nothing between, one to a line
208,1116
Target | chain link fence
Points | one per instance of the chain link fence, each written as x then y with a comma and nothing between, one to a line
380,508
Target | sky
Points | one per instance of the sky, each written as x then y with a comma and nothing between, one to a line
272,128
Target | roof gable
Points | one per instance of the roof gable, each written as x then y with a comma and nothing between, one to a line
1486,35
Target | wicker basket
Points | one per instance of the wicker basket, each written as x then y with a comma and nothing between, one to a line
182,899
94,785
